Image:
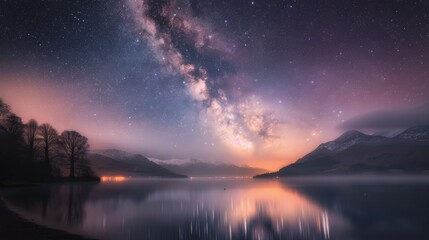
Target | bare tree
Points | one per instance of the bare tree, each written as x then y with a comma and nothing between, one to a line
12,126
49,138
75,147
11,146
4,110
30,131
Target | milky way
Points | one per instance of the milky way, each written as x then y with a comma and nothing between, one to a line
252,82
237,123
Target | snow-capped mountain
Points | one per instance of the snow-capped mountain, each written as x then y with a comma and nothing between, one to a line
355,152
197,168
117,162
175,161
349,139
420,133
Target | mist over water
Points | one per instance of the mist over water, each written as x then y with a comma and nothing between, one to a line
337,208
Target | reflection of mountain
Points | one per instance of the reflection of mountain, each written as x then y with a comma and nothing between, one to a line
197,168
356,153
375,211
228,209
115,162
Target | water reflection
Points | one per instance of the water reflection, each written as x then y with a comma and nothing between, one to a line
228,209
383,210
62,204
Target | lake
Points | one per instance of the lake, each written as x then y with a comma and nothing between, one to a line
120,208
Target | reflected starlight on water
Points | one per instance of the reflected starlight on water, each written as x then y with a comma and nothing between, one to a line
212,209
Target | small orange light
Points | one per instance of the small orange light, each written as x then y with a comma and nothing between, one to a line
113,178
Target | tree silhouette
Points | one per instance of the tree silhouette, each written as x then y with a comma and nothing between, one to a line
49,138
75,148
11,146
4,110
12,126
20,145
30,130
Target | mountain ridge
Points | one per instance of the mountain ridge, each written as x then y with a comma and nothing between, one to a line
117,162
197,168
356,153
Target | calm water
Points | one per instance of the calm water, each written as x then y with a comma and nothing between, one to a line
230,209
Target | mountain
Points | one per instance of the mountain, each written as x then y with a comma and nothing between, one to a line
415,133
356,153
349,139
115,162
196,168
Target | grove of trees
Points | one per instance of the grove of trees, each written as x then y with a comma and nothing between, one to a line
29,151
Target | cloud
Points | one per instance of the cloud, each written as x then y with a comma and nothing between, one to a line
390,119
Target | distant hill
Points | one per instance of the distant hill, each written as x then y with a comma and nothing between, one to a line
116,162
356,153
196,168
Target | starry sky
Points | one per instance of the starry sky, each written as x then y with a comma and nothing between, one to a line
259,83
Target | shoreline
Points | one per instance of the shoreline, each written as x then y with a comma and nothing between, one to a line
13,226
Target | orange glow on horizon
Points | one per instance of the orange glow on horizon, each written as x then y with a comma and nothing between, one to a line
113,178
47,103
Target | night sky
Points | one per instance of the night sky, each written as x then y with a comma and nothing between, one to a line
249,82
